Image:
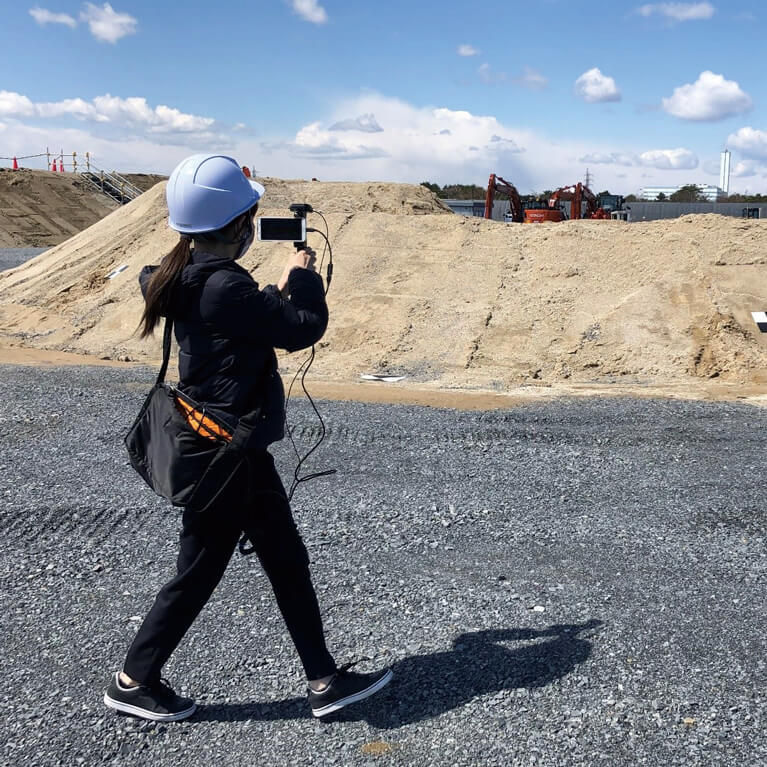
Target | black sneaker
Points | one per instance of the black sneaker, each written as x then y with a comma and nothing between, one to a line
347,687
156,702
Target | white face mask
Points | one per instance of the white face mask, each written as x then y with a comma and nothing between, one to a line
247,240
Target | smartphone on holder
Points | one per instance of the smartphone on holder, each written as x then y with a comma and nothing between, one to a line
281,229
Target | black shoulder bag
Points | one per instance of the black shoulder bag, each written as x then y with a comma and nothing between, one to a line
172,457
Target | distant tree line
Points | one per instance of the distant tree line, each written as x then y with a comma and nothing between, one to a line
747,198
474,192
457,191
692,193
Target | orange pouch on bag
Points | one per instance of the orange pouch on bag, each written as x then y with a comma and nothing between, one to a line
203,424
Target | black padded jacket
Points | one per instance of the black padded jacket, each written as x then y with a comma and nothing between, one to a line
227,330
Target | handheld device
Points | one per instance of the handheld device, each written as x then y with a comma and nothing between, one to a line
760,318
301,210
281,229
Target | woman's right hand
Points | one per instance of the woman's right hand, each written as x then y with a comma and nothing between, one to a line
301,259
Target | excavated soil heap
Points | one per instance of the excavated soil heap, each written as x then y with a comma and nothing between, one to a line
41,208
451,302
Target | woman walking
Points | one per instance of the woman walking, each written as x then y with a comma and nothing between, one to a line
227,330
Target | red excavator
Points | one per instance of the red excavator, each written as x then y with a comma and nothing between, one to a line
498,184
576,195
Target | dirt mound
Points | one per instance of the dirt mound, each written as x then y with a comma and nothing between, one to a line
39,208
351,197
144,181
451,302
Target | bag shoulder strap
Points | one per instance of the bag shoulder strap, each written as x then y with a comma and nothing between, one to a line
165,350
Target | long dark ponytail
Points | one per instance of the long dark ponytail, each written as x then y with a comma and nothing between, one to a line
161,283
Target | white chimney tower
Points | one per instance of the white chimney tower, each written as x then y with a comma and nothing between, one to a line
724,172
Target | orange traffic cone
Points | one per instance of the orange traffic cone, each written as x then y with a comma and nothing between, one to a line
53,167
15,164
61,165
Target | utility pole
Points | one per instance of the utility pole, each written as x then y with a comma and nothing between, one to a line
589,179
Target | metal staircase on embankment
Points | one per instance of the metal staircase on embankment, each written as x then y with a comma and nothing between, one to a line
111,184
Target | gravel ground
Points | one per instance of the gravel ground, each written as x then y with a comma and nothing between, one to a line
10,257
568,583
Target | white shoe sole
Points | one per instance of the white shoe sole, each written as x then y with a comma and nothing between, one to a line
361,695
126,708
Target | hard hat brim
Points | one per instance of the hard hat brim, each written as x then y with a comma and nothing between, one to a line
257,188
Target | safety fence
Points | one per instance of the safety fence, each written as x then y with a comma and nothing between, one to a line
110,183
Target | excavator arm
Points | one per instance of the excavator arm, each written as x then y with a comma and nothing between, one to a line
577,194
497,184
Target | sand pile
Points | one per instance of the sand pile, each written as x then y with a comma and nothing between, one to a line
39,209
451,302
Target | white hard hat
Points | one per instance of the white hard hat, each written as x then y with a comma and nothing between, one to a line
207,191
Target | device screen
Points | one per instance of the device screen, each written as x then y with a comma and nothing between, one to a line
282,229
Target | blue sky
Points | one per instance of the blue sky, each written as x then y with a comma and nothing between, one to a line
639,93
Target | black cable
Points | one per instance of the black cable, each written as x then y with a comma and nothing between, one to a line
288,430
297,479
329,275
302,370
327,236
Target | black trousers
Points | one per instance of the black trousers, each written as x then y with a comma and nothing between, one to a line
255,502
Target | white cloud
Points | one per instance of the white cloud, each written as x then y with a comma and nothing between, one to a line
669,159
15,105
710,98
662,159
171,120
508,144
594,87
106,24
83,110
748,168
748,141
42,17
532,79
312,141
310,10
365,123
489,76
467,50
678,11
134,113
612,158
418,143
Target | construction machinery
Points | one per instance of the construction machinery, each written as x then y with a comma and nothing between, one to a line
577,195
612,204
497,184
541,212
583,203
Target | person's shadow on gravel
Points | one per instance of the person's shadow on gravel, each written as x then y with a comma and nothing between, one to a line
425,686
